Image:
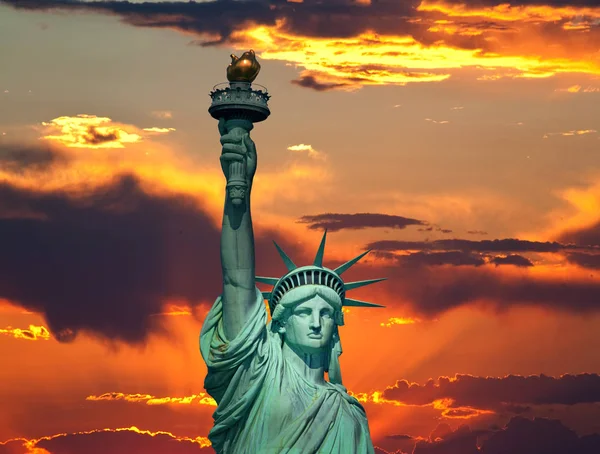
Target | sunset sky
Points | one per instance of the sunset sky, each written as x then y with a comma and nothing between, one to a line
459,140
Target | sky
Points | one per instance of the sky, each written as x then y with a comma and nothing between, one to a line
458,140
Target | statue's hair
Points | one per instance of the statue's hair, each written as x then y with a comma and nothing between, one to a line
304,293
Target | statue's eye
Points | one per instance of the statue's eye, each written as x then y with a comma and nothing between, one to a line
303,312
326,314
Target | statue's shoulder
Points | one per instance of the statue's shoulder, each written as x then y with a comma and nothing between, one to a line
343,392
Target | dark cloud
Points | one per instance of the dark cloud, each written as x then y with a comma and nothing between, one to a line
456,258
396,444
106,260
308,81
442,430
587,236
519,436
103,442
95,137
584,260
500,394
503,245
400,437
476,232
319,19
121,442
16,158
461,441
512,259
432,291
214,22
516,409
539,436
384,255
331,19
340,221
340,18
431,228
589,443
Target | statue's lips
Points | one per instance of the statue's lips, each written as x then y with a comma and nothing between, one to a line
315,336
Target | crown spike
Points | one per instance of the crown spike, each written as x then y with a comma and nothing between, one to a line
340,269
357,284
267,280
359,303
288,262
319,257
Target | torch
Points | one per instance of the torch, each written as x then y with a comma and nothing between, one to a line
240,104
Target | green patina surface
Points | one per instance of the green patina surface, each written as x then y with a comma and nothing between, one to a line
278,384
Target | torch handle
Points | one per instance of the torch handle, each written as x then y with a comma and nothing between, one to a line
237,183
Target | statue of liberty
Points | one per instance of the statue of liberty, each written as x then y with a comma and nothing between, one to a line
268,379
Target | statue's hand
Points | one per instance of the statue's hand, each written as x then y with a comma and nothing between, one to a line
237,147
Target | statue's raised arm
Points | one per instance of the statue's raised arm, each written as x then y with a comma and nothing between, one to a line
237,237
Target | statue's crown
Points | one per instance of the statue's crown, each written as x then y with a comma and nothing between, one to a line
315,274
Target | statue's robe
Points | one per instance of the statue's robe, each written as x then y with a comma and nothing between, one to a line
264,405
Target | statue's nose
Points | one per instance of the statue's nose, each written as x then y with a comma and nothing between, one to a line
315,321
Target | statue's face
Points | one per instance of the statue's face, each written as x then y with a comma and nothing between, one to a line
310,326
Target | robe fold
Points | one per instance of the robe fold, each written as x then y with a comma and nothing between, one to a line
264,405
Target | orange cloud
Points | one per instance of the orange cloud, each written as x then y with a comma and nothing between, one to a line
160,167
580,210
448,27
571,89
175,309
89,131
367,59
578,89
159,130
573,132
399,321
381,44
33,333
200,399
449,411
372,58
308,149
508,12
376,398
